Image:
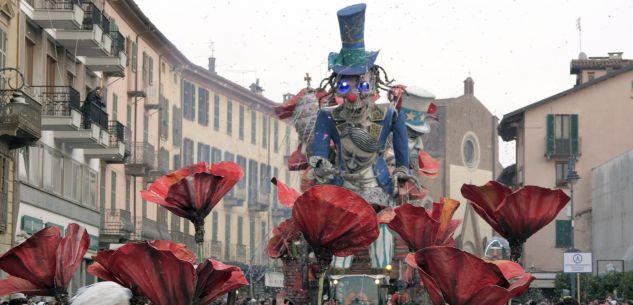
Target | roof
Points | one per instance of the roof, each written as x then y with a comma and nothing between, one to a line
506,128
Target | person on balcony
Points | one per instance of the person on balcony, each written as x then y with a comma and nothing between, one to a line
96,97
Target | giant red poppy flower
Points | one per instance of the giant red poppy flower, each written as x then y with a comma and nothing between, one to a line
515,215
335,221
45,263
193,191
429,166
285,194
297,160
165,274
283,236
421,228
442,272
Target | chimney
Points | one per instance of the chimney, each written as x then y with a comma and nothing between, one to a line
212,64
255,88
469,86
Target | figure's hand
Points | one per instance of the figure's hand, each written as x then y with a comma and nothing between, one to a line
402,175
322,169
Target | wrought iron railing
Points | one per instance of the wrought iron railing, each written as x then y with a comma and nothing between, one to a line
93,16
163,161
190,242
118,42
27,115
146,229
239,253
178,237
215,249
143,153
94,114
118,133
117,222
54,5
57,100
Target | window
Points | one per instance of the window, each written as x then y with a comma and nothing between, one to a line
203,106
470,150
127,194
287,140
203,153
3,48
252,181
113,191
241,161
561,174
265,180
176,122
102,189
187,152
115,106
151,70
276,136
144,67
229,117
591,76
134,56
186,227
265,131
216,155
227,236
240,224
214,224
216,112
31,224
264,233
4,191
175,223
145,129
253,126
164,117
275,199
563,233
177,161
200,152
562,135
228,156
29,59
241,122
188,100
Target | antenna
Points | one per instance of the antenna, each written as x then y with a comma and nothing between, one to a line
212,47
579,28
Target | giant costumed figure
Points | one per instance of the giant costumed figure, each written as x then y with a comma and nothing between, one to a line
359,129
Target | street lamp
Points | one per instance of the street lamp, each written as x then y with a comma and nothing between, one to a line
572,179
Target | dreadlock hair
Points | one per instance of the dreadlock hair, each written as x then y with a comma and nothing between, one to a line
378,76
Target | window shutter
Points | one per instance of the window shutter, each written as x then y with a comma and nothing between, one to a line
575,143
550,135
563,233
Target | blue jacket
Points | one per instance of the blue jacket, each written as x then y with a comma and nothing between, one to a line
382,124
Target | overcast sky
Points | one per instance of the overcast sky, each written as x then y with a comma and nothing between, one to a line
517,52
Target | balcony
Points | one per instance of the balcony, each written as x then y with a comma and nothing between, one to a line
281,212
118,147
115,63
61,107
259,202
190,242
236,197
57,14
91,39
117,226
214,249
163,230
142,159
161,166
562,148
239,253
20,117
177,236
146,229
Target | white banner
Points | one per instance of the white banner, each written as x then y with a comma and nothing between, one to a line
274,279
577,262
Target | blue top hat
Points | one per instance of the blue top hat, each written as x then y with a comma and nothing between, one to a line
353,59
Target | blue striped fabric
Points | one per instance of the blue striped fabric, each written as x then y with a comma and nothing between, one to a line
381,250
342,262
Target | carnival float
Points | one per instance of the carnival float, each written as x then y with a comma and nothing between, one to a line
360,210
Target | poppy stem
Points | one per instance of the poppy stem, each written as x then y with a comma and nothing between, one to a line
198,224
516,250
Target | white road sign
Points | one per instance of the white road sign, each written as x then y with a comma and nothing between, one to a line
274,279
577,262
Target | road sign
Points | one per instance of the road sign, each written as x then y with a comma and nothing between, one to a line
577,262
274,279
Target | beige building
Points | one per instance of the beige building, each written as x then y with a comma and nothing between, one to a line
590,120
464,140
20,120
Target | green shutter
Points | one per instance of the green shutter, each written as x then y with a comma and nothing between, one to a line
61,228
240,230
227,237
215,226
550,135
94,242
31,224
134,56
573,126
563,233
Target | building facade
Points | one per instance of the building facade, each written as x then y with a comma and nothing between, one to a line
589,121
464,140
68,157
